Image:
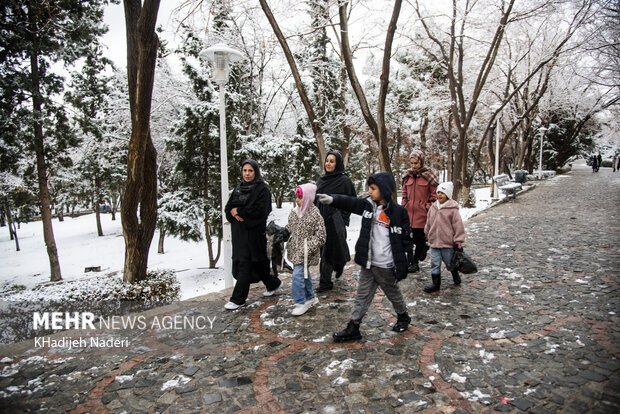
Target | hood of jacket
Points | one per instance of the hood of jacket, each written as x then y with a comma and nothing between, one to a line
386,183
448,204
308,194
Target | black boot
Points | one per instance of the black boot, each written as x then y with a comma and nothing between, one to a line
402,323
413,264
435,286
351,333
413,267
456,277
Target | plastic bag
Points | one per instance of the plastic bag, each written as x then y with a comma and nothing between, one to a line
462,262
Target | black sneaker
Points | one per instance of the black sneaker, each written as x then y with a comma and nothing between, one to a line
323,288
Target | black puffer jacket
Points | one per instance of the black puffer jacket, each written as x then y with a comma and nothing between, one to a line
400,232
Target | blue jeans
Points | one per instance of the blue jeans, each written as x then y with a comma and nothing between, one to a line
301,288
437,255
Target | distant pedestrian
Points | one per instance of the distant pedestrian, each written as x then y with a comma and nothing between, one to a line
307,235
247,211
335,253
446,233
381,250
618,163
594,161
599,161
614,163
419,192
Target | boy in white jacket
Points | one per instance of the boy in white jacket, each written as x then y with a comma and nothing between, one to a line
445,232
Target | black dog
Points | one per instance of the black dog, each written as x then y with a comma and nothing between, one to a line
276,236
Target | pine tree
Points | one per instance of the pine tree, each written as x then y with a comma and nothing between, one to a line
90,88
36,34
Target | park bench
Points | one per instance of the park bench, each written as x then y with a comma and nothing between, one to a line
508,188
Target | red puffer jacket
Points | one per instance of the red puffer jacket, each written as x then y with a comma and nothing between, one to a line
418,195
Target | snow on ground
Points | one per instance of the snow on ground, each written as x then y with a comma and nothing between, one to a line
79,247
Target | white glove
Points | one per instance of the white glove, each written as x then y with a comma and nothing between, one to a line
325,199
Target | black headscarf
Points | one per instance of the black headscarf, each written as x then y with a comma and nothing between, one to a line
242,193
337,181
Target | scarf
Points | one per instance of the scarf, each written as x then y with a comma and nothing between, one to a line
244,189
423,171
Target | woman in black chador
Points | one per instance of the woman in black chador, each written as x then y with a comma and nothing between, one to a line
335,251
247,211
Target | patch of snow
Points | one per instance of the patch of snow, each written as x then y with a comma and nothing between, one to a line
476,395
123,378
434,367
339,366
175,382
456,377
486,356
585,282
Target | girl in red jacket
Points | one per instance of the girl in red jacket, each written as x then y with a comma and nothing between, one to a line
445,232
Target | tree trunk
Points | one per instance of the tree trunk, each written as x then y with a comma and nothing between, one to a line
399,164
98,219
44,195
162,236
423,129
345,128
141,187
98,202
450,165
11,224
314,122
212,260
377,127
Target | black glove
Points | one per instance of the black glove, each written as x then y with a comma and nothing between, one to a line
458,246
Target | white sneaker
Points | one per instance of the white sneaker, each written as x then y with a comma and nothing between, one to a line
301,308
314,301
232,306
268,293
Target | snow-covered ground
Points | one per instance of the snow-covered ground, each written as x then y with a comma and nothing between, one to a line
79,247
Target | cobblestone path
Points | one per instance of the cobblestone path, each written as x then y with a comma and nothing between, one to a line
536,330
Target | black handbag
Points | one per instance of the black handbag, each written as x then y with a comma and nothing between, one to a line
462,263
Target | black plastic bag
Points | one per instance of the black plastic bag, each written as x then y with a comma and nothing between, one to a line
462,262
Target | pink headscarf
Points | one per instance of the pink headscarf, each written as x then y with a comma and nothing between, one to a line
308,192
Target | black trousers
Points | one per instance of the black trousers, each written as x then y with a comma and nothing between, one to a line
326,270
247,273
418,241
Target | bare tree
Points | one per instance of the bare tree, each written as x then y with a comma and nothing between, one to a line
452,56
312,118
141,189
377,126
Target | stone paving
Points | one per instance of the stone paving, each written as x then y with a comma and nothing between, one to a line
536,330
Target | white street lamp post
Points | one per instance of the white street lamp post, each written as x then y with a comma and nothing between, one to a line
542,138
495,189
221,55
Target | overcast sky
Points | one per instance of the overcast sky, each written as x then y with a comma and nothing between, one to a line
115,39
